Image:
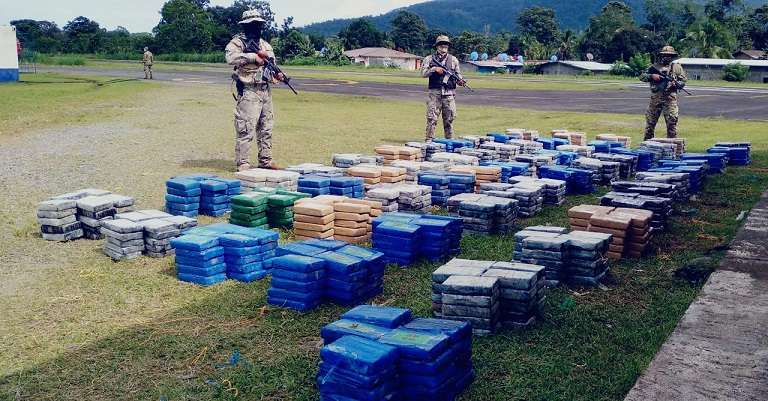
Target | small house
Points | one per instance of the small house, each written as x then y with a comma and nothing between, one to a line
568,67
491,66
751,55
383,57
712,68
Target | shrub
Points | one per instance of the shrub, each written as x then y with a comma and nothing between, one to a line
58,59
586,73
531,69
639,63
735,72
620,68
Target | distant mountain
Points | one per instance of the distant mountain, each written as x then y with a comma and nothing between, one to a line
455,16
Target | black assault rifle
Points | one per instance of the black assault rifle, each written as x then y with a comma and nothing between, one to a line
270,68
666,78
451,73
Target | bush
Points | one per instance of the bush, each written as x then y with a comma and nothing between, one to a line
639,63
316,60
622,69
735,72
501,70
531,69
586,73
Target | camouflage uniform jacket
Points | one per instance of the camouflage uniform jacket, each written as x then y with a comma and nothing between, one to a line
148,58
248,72
450,62
675,70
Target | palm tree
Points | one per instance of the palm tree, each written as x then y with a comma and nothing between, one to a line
709,39
567,44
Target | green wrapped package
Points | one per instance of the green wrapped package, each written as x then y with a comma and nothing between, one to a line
248,217
250,210
281,200
250,200
279,213
260,223
295,195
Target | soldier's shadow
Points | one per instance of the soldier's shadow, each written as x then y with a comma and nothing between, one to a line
210,164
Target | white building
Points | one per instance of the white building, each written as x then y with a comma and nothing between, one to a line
569,67
712,68
383,57
9,57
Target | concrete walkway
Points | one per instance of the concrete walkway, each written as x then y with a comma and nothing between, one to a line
719,350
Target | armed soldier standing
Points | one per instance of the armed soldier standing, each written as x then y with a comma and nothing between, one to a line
666,79
148,60
442,69
248,53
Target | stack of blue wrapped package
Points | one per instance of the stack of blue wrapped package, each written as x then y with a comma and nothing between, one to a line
182,197
398,240
549,143
510,169
453,145
717,161
346,278
644,157
440,187
355,368
577,181
351,274
433,237
214,200
605,146
566,158
559,142
352,187
314,185
737,156
199,259
461,183
297,282
696,169
434,356
499,137
247,255
376,266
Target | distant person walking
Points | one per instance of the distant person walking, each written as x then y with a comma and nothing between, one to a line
442,87
148,60
666,79
248,53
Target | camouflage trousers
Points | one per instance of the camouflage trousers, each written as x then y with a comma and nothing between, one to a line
147,71
665,103
436,105
254,119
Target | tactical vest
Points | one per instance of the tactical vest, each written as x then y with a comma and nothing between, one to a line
436,80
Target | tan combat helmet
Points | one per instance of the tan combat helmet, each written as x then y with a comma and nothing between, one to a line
442,39
668,51
250,16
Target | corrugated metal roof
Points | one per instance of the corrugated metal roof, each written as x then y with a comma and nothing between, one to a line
381,52
755,54
587,65
720,62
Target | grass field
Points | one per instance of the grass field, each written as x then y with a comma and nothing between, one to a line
77,326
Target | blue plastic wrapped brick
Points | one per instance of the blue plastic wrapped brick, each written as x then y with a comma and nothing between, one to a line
298,263
333,331
359,354
389,317
204,281
194,242
298,248
455,330
417,345
327,244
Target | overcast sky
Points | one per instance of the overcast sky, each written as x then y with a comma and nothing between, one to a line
143,15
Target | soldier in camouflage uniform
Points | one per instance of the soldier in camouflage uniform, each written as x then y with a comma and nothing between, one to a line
254,117
442,88
664,92
148,60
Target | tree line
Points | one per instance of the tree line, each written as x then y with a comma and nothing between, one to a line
716,28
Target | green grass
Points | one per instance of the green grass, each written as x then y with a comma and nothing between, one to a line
77,326
49,100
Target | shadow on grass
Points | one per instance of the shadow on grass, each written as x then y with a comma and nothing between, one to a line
211,164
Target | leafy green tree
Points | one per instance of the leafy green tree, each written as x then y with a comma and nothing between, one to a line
567,48
117,41
408,32
83,35
318,41
757,27
639,63
184,27
334,51
631,40
225,20
41,36
539,22
710,39
296,44
361,33
613,17
735,72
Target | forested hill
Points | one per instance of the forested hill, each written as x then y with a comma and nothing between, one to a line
455,16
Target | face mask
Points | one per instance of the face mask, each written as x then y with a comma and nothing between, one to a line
666,60
252,31
442,49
